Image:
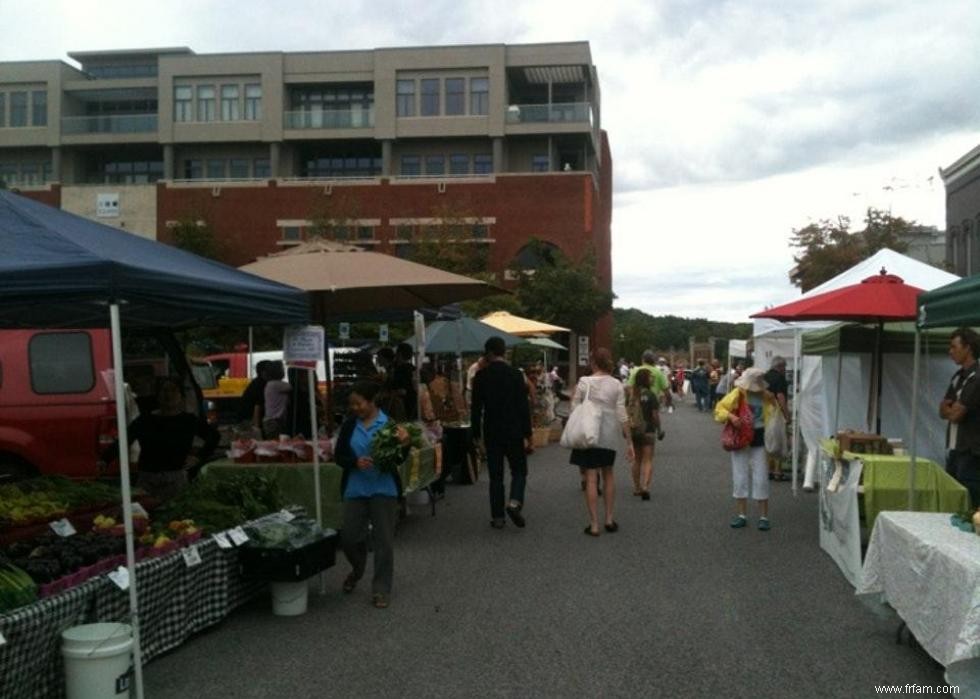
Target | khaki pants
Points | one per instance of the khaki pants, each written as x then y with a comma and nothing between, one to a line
382,514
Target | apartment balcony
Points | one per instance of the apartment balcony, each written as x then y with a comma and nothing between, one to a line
556,113
106,124
357,118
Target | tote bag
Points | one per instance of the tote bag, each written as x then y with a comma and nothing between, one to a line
735,438
776,434
582,429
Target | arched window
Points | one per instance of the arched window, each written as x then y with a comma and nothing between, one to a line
537,254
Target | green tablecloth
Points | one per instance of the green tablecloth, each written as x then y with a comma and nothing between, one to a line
296,481
885,481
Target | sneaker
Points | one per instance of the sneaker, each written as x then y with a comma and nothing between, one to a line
515,516
738,521
764,525
497,523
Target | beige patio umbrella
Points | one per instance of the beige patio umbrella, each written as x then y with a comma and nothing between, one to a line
515,325
344,280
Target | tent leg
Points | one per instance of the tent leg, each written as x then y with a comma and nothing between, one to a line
840,366
913,418
311,378
251,347
797,373
117,371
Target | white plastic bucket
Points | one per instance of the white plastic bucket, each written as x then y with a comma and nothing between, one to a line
97,660
289,598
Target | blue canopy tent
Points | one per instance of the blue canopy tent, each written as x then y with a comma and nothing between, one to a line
61,270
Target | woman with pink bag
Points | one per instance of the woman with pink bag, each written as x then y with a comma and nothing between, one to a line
748,402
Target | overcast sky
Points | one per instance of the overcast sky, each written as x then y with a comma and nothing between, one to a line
731,122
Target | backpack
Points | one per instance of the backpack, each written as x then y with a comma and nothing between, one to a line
634,410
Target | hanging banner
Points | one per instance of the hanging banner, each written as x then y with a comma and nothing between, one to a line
840,526
303,345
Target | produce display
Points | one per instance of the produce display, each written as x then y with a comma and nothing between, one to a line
219,504
16,587
294,534
387,449
50,497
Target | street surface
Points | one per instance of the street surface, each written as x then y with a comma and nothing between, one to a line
676,604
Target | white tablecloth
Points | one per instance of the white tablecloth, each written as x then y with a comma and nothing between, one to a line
929,572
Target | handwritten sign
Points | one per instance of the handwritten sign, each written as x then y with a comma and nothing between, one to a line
221,539
192,557
238,536
303,345
62,527
120,576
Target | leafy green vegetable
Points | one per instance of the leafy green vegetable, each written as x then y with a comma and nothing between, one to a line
387,451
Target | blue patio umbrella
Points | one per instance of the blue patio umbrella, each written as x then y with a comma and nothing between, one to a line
464,335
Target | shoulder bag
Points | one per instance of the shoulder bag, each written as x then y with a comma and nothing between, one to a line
582,429
734,438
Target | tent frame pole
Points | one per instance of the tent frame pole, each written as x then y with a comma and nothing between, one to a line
124,485
797,374
312,387
913,419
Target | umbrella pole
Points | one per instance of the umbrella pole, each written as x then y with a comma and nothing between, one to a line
248,369
311,378
127,503
913,419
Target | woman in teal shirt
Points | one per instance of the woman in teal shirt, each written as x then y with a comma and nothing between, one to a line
370,496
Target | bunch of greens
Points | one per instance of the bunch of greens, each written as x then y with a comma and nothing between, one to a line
387,451
225,502
279,534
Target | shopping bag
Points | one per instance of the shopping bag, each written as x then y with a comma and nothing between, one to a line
582,429
776,434
734,438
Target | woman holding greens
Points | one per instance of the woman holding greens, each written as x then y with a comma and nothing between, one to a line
370,491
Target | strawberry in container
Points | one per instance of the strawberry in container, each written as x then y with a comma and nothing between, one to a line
243,451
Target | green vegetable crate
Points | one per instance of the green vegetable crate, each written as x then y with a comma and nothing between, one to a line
288,565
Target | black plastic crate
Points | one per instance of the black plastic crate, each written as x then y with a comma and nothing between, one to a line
281,565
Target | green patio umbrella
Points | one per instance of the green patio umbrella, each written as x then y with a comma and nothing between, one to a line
461,336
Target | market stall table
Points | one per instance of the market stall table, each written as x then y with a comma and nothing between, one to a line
884,483
296,480
929,572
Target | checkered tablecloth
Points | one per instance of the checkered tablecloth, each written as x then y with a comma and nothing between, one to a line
175,602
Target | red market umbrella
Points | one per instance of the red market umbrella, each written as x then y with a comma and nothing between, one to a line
878,299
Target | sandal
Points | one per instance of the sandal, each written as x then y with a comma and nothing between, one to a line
612,527
588,530
379,601
350,582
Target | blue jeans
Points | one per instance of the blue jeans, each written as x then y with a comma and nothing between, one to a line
964,466
513,450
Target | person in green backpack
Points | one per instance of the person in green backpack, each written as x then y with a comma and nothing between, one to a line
644,414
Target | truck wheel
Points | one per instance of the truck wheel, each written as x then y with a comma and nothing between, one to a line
13,469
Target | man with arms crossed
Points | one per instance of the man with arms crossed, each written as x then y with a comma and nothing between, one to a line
961,406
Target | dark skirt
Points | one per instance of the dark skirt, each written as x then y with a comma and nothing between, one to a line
593,458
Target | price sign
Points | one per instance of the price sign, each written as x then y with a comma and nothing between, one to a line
238,536
303,345
62,527
343,332
192,557
221,539
383,332
120,576
286,516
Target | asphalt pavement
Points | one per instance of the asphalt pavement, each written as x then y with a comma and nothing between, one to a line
675,604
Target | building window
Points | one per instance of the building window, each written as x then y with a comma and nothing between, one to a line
238,168
459,164
39,108
479,96
205,103
183,103
253,102
365,232
47,172
29,173
429,97
8,173
483,164
192,169
3,109
411,165
216,169
229,103
455,96
405,98
340,233
404,232
18,109
261,168
435,165
292,234
540,163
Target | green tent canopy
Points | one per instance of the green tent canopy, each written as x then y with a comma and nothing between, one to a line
951,306
897,338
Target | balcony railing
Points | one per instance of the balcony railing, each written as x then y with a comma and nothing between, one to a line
123,123
565,112
330,119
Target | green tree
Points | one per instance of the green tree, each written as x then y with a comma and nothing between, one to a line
828,248
557,291
635,331
196,235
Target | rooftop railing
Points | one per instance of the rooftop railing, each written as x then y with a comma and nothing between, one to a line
563,112
121,123
358,118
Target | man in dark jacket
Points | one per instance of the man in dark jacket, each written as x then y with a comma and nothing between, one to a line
501,417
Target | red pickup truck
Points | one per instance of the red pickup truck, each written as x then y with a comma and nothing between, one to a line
57,410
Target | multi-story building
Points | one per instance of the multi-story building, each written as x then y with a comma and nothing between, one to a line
497,143
962,182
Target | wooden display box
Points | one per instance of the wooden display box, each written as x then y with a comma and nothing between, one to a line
863,443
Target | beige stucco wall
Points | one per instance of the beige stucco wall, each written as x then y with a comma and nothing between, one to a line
137,205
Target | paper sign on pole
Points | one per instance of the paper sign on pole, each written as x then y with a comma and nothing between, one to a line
583,350
383,333
419,333
303,345
343,332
